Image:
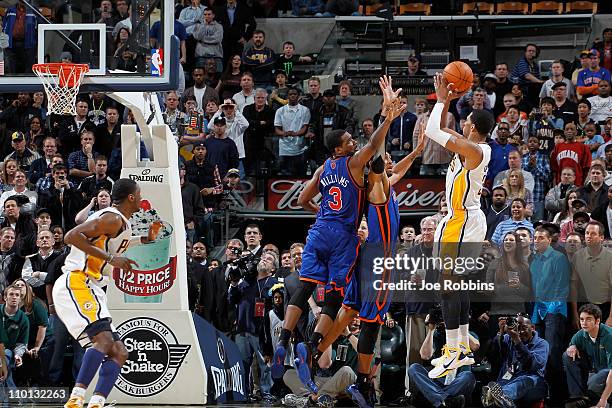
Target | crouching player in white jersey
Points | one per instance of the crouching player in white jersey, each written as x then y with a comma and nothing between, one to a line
459,233
80,301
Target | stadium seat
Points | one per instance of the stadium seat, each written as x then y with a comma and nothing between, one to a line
581,7
484,7
370,10
547,7
414,7
512,7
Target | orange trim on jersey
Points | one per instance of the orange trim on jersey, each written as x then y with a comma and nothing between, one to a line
384,222
94,265
318,282
351,270
359,209
83,296
377,319
347,307
348,170
335,288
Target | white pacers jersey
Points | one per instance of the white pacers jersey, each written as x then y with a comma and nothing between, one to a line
463,186
96,268
465,221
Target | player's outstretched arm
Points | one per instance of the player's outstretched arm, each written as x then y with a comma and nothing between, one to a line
310,191
449,139
390,110
400,169
110,225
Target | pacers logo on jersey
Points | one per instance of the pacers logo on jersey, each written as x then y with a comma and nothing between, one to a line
154,357
123,246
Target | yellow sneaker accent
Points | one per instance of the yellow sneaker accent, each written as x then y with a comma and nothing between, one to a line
75,402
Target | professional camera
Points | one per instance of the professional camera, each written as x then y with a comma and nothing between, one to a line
511,323
435,316
246,266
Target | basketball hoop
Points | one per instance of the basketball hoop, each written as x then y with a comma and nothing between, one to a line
61,82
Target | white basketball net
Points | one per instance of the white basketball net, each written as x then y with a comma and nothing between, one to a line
61,82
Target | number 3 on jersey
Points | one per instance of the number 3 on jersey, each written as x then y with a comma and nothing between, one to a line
336,204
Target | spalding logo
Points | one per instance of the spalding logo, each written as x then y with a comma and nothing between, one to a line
154,357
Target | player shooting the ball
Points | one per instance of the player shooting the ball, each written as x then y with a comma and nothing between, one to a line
465,222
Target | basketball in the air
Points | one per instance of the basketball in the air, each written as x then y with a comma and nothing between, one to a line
460,75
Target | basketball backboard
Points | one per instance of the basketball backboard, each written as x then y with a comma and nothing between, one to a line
92,32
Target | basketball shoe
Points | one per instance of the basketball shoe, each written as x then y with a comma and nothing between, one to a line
452,359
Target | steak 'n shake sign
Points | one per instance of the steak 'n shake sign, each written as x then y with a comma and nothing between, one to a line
413,194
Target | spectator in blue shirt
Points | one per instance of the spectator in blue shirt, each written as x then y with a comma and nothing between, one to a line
523,361
593,141
517,212
500,148
550,279
588,79
538,164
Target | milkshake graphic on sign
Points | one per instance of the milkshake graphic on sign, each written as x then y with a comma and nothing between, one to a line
156,270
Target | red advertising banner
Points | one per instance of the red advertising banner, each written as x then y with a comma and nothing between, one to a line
146,283
413,194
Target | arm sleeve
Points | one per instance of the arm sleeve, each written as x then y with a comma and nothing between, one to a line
433,130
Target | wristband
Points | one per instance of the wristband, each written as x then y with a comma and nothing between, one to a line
51,305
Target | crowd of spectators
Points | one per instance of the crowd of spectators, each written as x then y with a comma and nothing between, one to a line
242,112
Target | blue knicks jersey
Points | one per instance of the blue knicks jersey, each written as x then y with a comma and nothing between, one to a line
383,224
342,199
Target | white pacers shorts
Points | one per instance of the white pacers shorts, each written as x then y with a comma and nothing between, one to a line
79,302
460,235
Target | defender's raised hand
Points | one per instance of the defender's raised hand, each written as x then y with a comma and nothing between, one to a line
389,95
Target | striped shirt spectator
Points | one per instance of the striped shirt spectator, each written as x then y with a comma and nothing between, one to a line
517,212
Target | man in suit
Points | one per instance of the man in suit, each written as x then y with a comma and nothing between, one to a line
252,237
238,26
225,315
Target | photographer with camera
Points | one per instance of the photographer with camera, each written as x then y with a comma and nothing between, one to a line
523,362
452,390
250,285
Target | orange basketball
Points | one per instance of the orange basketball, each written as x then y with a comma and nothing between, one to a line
460,75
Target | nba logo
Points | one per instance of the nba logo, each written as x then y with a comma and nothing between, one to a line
157,65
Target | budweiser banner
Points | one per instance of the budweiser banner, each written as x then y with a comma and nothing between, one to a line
413,194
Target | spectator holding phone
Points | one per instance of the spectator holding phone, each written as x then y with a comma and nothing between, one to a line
100,201
63,201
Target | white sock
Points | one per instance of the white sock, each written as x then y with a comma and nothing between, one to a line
96,399
78,392
464,335
452,337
